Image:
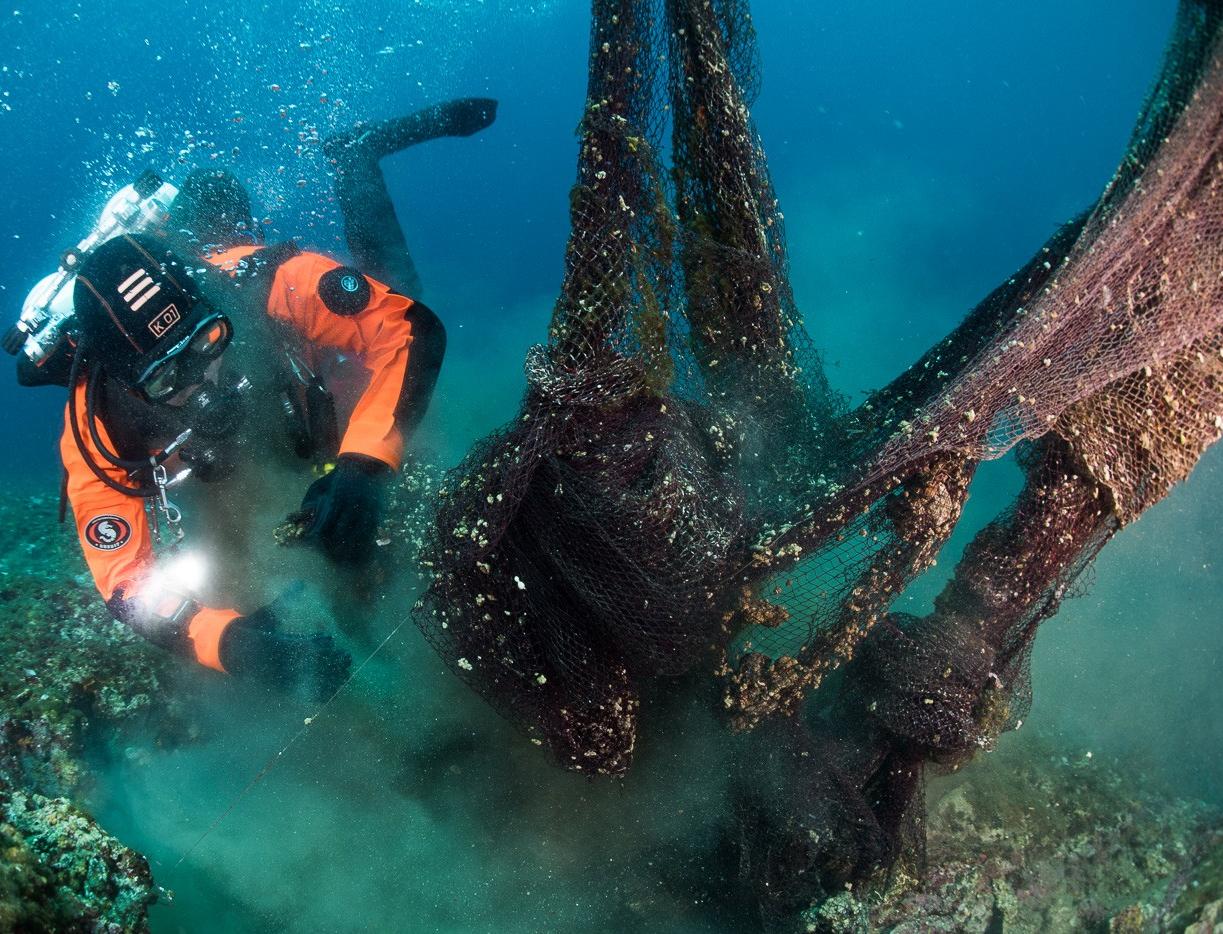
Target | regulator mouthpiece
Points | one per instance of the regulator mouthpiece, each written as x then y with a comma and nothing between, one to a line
215,411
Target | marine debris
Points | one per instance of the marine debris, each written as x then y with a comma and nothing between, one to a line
679,443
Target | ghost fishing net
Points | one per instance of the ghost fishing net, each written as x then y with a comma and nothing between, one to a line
682,488
1102,355
586,547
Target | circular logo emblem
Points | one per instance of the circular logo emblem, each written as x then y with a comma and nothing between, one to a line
349,283
106,533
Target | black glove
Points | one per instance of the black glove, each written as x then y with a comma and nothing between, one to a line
346,507
310,665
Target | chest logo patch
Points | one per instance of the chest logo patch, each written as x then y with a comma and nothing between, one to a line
107,533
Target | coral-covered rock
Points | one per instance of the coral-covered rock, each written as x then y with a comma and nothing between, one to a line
67,671
1034,840
63,873
1209,920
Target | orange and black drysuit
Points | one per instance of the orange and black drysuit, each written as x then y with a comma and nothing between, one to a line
316,301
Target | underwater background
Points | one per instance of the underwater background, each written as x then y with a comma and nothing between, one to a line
921,153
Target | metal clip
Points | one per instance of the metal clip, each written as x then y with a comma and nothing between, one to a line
173,515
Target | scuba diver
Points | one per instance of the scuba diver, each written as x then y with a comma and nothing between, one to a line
190,351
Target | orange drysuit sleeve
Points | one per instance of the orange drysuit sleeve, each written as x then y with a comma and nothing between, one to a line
114,534
376,331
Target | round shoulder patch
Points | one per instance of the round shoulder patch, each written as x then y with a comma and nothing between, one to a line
106,533
344,291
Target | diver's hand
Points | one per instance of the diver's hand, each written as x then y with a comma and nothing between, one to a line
466,116
346,507
309,665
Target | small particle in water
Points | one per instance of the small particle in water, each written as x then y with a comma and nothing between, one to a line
464,664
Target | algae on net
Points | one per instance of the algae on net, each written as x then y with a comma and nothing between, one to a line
616,522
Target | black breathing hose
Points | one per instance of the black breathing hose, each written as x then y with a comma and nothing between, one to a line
74,376
91,407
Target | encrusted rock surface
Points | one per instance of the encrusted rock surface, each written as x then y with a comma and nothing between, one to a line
61,872
67,672
1032,839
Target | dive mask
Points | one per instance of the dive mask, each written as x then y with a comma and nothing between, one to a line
185,363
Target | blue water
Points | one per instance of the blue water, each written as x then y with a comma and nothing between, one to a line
921,152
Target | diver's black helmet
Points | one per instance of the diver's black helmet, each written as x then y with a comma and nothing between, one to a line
133,302
215,207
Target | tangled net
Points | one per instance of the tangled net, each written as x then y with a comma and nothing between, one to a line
682,487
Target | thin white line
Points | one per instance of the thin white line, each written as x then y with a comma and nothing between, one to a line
271,763
145,297
130,279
